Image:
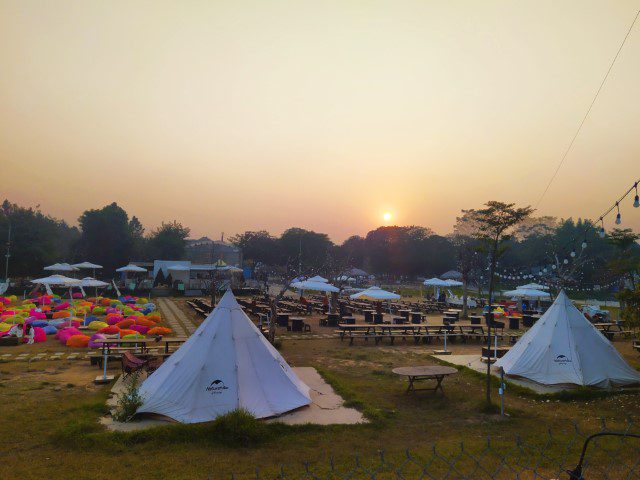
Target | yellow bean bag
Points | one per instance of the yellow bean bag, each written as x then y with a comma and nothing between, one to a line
5,327
97,325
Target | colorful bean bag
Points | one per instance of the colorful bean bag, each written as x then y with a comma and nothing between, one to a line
110,330
105,302
94,341
97,325
64,334
39,335
140,328
78,341
5,327
133,336
62,306
36,314
98,311
154,317
39,323
125,323
49,330
159,331
146,322
61,314
125,332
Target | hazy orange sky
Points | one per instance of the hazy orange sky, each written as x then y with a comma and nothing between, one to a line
263,114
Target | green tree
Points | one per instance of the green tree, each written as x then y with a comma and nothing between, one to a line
494,224
625,261
169,241
37,239
139,249
258,246
106,237
306,247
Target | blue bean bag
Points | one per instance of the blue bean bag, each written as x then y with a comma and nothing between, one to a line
50,330
40,323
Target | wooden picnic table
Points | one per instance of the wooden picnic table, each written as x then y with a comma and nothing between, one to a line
144,343
425,372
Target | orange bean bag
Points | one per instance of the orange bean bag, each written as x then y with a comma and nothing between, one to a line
146,322
78,341
159,331
110,330
128,332
105,302
125,323
61,314
154,317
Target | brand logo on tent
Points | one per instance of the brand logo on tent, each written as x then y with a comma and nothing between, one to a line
216,387
562,359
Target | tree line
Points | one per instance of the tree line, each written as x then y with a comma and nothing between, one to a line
107,236
111,237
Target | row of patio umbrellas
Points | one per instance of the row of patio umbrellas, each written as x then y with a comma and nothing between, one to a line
320,284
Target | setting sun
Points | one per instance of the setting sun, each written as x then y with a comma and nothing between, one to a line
386,216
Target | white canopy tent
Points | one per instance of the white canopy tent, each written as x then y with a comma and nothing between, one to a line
315,286
375,293
564,348
225,365
533,286
436,283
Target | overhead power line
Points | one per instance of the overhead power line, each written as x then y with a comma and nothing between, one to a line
584,118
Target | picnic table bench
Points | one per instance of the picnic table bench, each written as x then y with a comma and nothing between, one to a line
425,372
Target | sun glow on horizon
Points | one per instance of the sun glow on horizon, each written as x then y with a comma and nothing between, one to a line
386,216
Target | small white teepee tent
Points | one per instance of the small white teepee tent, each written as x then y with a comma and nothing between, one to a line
225,365
563,347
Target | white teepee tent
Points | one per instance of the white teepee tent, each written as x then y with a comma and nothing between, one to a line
225,365
563,347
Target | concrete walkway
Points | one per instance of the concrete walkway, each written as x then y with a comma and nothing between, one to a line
180,324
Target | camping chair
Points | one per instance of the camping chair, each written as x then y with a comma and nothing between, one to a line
131,364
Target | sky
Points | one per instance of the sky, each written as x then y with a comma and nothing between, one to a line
246,115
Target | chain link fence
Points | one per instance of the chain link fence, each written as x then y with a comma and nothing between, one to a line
599,454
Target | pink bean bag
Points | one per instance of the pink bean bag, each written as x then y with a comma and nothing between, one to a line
94,340
39,335
62,306
64,334
143,329
38,315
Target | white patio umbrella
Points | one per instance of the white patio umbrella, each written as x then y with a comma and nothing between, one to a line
375,293
60,267
87,265
318,278
92,282
131,269
527,293
454,283
60,281
315,286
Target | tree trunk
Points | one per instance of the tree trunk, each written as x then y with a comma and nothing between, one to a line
465,309
490,318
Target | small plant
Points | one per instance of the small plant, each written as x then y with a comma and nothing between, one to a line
129,401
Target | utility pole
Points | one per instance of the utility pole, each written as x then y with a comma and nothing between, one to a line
7,255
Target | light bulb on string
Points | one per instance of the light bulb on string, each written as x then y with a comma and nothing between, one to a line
618,218
553,266
573,253
636,201
565,261
602,228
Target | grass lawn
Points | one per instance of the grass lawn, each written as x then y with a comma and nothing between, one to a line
50,410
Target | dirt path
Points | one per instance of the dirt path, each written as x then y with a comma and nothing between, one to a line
179,322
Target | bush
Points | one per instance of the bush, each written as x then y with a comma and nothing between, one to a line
239,429
129,401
